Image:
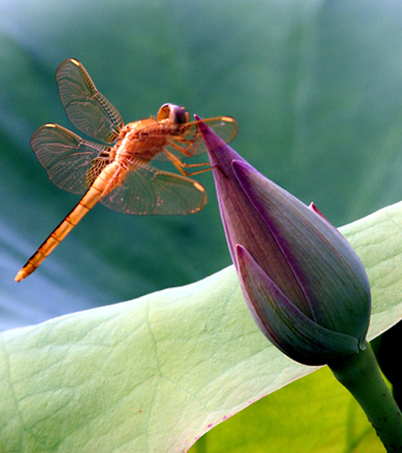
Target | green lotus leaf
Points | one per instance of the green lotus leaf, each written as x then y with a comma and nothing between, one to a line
155,373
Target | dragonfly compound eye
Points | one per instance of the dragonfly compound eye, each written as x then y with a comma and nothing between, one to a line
178,115
174,113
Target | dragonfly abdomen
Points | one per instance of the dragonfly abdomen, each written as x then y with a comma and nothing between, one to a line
87,202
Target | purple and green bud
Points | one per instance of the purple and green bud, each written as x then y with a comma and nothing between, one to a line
303,283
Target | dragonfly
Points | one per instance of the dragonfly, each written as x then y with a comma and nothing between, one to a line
117,170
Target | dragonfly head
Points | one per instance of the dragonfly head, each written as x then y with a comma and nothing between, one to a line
173,114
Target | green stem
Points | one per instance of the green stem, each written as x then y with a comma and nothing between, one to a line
360,375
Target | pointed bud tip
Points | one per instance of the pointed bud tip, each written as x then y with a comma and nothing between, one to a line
203,127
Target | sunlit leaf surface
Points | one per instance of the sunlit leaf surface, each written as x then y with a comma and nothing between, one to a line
155,373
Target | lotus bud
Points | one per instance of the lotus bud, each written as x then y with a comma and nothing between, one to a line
303,283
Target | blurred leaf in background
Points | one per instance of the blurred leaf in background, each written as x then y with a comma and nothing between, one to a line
316,87
313,414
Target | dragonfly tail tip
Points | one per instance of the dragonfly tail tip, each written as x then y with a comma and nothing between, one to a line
24,272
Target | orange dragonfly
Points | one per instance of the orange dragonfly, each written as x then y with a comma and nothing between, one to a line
118,172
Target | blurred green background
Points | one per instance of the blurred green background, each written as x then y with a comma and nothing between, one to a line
314,85
316,88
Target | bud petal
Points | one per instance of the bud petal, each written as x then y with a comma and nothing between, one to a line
288,328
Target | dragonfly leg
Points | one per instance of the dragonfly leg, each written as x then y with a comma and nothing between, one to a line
181,165
188,150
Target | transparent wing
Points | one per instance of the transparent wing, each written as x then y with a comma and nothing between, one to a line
191,141
86,108
148,191
66,157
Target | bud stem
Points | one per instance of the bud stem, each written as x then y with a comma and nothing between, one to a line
359,373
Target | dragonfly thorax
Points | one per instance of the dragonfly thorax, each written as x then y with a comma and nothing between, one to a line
144,138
